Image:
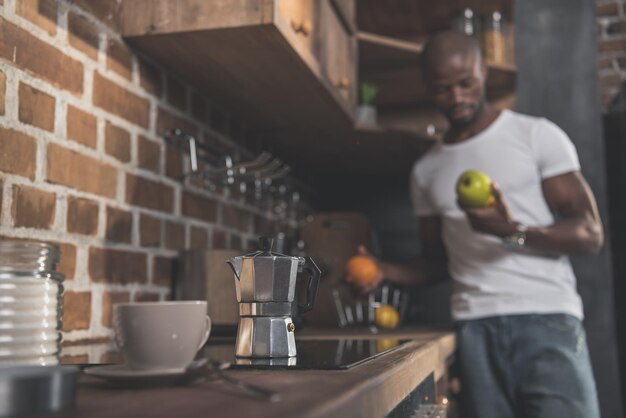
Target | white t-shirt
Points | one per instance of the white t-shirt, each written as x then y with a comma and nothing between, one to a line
517,152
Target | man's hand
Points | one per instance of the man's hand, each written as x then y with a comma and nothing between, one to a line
367,287
495,219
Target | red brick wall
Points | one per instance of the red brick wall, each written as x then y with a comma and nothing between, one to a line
82,162
612,48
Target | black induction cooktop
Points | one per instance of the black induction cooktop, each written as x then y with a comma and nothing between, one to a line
312,354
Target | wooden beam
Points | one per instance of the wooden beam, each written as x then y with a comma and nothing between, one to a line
386,41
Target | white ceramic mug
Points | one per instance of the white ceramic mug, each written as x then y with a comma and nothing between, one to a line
161,335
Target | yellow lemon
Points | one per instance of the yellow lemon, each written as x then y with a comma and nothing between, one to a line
385,344
386,316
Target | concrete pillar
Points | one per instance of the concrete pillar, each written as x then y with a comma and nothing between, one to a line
556,54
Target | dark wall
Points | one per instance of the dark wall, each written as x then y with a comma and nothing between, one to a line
556,54
385,200
615,140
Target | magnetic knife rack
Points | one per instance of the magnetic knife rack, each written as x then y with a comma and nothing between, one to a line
267,174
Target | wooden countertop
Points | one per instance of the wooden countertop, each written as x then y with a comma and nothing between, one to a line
371,389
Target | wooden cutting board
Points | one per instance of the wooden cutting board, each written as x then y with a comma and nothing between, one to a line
331,239
204,275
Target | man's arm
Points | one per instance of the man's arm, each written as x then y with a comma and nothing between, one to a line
429,267
578,228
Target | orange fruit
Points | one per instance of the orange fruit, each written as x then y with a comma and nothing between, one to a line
386,316
362,269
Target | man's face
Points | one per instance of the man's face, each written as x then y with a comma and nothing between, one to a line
457,87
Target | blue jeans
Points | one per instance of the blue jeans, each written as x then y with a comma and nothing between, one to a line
525,366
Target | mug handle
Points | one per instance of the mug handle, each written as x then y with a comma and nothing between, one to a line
206,333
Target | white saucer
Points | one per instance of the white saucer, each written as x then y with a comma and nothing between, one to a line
123,372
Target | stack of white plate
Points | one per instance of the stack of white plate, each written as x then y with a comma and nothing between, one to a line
31,303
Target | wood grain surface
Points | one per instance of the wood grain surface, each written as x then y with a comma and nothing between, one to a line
372,389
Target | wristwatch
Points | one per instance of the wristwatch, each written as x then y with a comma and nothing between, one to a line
518,238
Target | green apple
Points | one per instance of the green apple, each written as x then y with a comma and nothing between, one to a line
474,189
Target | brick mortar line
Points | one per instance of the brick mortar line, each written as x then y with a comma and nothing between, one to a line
7,198
60,214
81,280
121,187
117,287
66,98
50,137
81,269
100,135
93,352
63,45
61,94
81,241
95,323
103,202
60,227
83,334
10,94
87,100
63,192
62,22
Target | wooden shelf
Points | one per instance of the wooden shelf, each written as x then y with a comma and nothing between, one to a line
387,150
393,65
361,149
394,45
408,19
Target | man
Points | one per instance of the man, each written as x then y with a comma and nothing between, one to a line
521,346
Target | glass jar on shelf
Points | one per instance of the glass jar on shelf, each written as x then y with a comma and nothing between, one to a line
494,40
466,22
31,303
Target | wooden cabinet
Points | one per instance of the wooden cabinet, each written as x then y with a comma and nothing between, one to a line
339,54
303,18
263,60
346,10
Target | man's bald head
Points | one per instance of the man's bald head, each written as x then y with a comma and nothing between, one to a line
444,46
455,76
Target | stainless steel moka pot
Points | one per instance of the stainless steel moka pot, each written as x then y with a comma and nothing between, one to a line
265,284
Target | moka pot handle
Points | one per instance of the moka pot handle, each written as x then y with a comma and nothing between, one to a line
314,274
